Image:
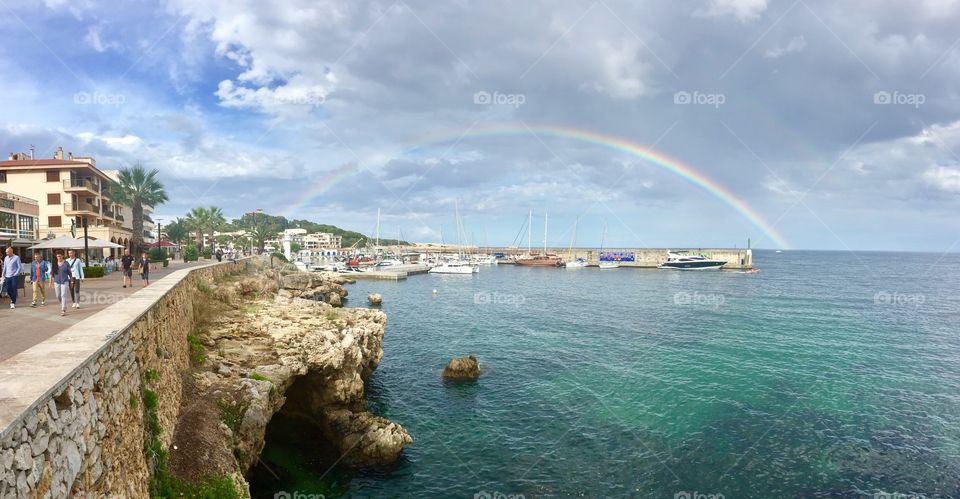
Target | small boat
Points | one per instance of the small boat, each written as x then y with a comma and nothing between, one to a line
483,259
455,267
682,261
606,264
540,261
579,263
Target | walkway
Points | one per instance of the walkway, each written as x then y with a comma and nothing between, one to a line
24,327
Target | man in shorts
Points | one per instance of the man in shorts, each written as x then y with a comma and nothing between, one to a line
126,264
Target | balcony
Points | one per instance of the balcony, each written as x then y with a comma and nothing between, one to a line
109,214
81,185
74,209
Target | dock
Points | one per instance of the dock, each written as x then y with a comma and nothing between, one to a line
396,273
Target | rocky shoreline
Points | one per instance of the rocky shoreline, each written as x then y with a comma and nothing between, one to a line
279,341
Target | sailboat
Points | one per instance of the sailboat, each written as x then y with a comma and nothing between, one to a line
541,260
606,265
576,263
460,265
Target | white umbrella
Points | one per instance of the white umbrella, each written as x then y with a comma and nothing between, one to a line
61,242
100,243
67,242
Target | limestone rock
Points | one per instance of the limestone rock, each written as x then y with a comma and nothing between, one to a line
375,299
462,368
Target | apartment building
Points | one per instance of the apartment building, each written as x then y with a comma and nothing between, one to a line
19,222
70,190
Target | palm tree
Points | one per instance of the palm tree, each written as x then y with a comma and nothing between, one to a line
176,231
215,221
261,233
135,188
196,221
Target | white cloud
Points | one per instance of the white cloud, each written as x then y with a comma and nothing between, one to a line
93,38
796,44
943,178
621,71
743,10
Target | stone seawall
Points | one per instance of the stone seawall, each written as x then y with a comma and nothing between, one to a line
72,411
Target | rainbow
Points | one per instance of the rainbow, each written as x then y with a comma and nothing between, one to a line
610,142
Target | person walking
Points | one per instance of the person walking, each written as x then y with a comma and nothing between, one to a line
76,275
39,274
11,275
61,282
145,269
126,263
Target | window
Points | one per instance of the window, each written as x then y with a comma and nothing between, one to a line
53,175
26,227
53,222
3,177
8,222
53,198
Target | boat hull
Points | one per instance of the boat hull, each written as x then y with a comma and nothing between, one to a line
540,261
700,265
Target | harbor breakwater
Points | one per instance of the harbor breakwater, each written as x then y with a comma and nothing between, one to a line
736,258
173,388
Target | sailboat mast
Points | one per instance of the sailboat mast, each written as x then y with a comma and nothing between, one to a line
377,245
529,226
544,233
456,212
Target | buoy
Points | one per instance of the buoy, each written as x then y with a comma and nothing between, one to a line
434,291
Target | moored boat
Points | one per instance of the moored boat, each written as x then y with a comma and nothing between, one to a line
683,261
540,261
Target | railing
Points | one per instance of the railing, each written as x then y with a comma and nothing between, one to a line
81,207
6,203
81,183
15,198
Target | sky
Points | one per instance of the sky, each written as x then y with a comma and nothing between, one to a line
802,124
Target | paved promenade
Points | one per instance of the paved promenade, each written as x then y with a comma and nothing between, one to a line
23,327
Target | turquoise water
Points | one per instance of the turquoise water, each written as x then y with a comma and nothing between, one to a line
826,374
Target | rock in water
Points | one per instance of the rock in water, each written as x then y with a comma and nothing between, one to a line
374,299
462,368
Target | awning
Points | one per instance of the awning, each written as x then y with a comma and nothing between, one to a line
67,242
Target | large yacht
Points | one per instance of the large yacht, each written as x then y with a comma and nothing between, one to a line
683,261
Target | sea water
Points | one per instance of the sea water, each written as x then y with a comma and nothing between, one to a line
831,374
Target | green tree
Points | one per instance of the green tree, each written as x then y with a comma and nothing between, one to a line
261,233
198,220
215,221
176,231
135,188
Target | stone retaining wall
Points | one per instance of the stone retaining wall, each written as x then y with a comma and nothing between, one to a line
83,433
